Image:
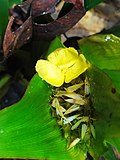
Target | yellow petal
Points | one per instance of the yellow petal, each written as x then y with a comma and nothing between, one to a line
64,64
50,73
63,57
76,69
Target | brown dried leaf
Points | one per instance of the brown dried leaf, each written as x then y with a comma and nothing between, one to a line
40,7
61,25
19,29
16,39
20,26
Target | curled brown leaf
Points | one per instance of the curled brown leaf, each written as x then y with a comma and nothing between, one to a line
21,23
61,25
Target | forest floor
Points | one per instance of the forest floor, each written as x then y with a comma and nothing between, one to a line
104,16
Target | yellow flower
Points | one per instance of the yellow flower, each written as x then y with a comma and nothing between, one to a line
63,65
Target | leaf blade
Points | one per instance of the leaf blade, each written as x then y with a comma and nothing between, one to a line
31,131
102,51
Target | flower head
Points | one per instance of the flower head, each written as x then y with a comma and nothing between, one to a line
62,65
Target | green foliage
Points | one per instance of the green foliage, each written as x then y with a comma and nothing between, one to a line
4,5
91,3
107,117
103,52
13,2
27,130
4,12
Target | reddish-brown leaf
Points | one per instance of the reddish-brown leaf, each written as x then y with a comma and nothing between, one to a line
40,7
19,28
14,40
21,23
61,25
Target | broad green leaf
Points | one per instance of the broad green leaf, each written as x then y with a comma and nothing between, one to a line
115,76
91,3
107,110
27,129
103,51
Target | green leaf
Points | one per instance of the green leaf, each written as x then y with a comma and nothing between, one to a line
103,51
107,110
91,3
115,76
27,129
